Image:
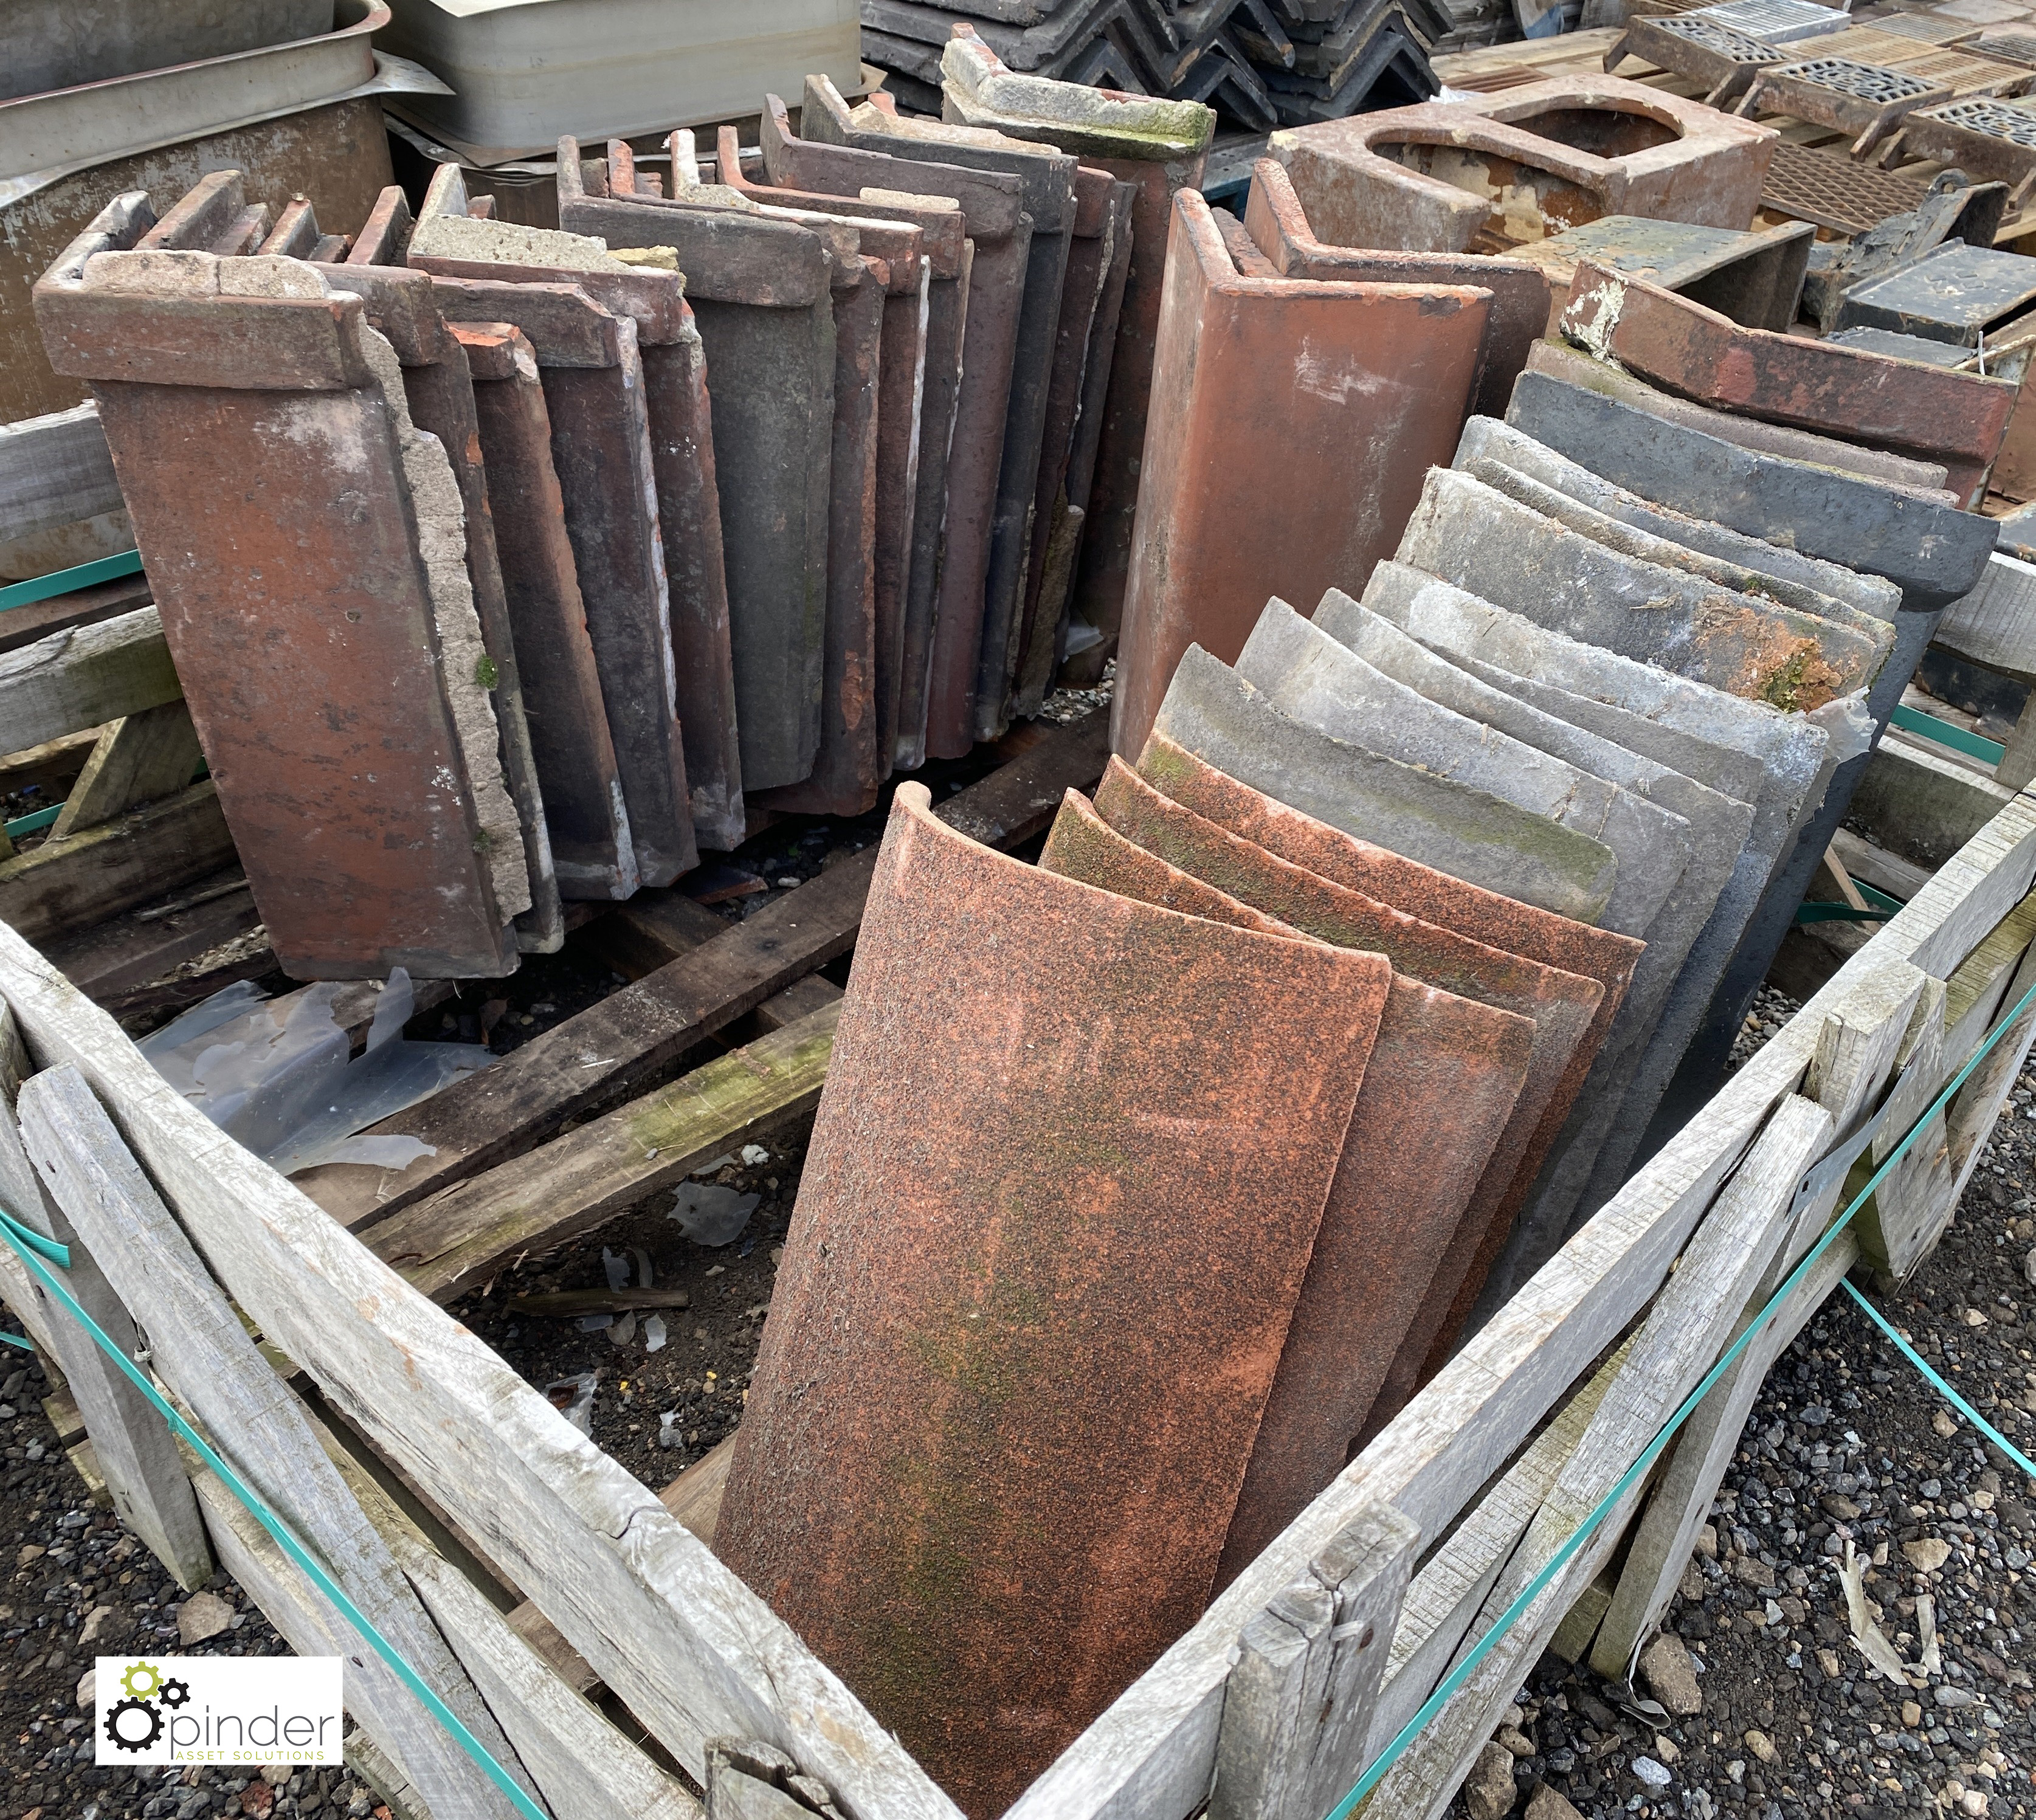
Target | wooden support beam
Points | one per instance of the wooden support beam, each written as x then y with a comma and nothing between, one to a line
20,627
202,1352
1875,865
456,1240
2018,758
138,758
50,763
131,1443
85,677
55,470
609,1050
67,885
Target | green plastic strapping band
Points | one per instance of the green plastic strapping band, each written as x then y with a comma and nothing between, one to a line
1973,745
35,819
16,1339
70,580
1949,1395
33,1249
1634,1474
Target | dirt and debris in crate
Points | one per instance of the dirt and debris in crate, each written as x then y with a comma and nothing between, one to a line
700,1374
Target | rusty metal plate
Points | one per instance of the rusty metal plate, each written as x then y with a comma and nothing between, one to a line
1160,147
303,627
1892,474
1521,299
1264,388
1955,418
1755,279
1959,294
1719,56
1112,1199
1567,948
1987,139
1844,95
1832,191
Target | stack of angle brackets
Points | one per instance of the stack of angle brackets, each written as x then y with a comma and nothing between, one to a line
1261,63
1619,656
759,489
971,329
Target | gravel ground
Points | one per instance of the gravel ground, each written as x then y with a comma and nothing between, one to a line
76,1586
1848,1442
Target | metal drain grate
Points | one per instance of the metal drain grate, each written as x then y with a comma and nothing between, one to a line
1777,21
1997,119
2016,47
1829,189
1863,81
1928,29
1724,41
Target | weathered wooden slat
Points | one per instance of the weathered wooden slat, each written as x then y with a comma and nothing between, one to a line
143,1474
1298,1706
1995,625
686,1646
39,620
1151,1755
65,886
139,758
85,677
55,470
1683,1335
201,1349
1450,1590
694,1499
449,1243
1681,1505
505,1110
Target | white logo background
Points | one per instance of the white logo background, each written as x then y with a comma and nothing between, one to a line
217,1709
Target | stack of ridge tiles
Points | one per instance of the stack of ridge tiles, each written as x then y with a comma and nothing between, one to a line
1364,975
1261,63
1667,606
1145,1167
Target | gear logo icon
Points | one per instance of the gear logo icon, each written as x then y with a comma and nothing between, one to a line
124,1732
149,1677
175,1694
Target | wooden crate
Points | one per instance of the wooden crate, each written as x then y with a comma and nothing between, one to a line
440,1486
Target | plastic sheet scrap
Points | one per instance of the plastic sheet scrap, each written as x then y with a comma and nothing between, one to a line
275,1076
